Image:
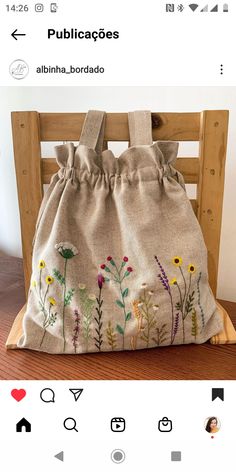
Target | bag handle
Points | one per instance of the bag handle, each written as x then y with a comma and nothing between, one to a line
140,127
92,134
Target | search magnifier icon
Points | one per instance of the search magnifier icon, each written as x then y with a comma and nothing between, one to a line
70,424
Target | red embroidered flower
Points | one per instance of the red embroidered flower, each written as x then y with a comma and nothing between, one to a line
125,259
109,258
129,269
103,266
101,280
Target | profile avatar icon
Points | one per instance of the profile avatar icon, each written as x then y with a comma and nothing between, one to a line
212,425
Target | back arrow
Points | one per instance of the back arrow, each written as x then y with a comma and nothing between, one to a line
15,34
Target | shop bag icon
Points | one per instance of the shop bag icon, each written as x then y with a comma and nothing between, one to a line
165,425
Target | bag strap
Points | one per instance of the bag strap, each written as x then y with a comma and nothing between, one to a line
92,134
140,127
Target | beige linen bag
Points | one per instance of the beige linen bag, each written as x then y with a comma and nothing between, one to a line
119,260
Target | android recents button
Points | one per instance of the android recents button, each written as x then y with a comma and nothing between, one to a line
118,456
175,456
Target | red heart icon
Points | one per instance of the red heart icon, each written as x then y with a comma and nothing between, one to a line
18,395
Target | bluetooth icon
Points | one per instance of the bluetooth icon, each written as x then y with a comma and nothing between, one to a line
180,8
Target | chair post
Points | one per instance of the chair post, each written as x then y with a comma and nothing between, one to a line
212,155
27,153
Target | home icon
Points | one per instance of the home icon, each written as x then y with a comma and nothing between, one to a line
23,425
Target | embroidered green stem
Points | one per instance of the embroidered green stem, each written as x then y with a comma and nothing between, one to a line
118,277
98,320
148,316
182,310
189,286
64,305
185,287
172,317
199,300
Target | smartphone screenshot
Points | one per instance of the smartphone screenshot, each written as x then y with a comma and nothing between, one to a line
117,235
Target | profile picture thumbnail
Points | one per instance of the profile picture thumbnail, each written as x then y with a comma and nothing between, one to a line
212,424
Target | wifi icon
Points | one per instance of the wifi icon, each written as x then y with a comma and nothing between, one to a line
193,6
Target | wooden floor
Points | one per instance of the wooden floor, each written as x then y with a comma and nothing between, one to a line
203,362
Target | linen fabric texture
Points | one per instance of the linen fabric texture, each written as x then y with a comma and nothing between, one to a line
119,261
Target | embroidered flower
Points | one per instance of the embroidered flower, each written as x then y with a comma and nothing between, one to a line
129,269
173,281
144,285
140,304
41,264
150,292
82,286
92,297
109,258
191,268
177,261
67,250
103,266
34,283
49,279
101,280
52,301
155,307
125,259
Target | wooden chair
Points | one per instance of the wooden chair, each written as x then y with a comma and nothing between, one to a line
206,170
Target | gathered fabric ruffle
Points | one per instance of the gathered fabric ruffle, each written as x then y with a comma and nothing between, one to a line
136,163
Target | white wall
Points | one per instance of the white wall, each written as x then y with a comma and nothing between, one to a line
76,99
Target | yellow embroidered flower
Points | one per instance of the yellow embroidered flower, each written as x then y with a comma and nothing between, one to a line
177,261
52,301
41,264
49,279
173,281
34,283
191,268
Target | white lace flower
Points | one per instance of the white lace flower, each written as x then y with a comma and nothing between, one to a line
140,304
155,307
67,250
144,285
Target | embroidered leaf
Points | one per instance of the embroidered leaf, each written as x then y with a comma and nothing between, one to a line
120,304
128,316
69,296
59,277
119,329
194,323
144,337
111,336
125,293
189,304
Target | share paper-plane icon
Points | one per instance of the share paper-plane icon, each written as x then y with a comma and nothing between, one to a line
76,392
